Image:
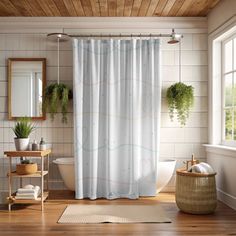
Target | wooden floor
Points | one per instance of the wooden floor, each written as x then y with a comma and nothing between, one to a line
29,221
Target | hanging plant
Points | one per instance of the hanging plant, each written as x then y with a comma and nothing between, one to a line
57,96
180,99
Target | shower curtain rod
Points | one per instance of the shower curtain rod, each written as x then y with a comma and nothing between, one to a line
118,35
174,38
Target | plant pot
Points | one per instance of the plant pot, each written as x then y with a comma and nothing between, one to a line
22,144
26,169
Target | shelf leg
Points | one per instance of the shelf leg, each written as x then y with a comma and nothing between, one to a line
9,206
21,185
42,182
9,182
48,172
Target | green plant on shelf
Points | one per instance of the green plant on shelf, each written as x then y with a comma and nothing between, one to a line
23,127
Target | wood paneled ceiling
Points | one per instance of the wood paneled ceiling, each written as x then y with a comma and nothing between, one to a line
106,7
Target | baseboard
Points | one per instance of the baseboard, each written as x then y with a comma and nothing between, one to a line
168,189
226,198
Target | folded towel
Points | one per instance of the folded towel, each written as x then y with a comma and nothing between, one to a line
28,186
27,193
201,168
26,197
28,190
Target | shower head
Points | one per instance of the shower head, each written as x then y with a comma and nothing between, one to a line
61,36
174,38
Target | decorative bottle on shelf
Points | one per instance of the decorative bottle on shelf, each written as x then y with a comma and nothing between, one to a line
35,146
42,145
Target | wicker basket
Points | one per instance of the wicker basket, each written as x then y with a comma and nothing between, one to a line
26,169
195,192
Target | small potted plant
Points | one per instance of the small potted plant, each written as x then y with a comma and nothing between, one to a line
22,130
180,98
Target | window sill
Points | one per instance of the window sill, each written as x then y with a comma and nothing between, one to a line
221,149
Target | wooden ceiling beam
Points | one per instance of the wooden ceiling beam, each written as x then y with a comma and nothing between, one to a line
120,7
167,8
45,6
104,8
61,7
175,8
210,4
184,8
128,7
51,5
70,7
87,7
112,5
8,8
78,7
22,7
160,6
144,7
152,7
35,8
95,7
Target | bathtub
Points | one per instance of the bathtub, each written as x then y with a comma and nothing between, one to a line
66,168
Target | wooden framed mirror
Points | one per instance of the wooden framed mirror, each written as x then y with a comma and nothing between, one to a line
26,84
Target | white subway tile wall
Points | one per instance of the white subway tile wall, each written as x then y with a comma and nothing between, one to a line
176,142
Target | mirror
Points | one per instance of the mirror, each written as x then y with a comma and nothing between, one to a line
26,83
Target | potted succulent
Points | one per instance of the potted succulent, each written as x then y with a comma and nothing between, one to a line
22,130
180,98
57,95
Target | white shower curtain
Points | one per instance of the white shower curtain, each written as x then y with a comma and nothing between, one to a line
117,99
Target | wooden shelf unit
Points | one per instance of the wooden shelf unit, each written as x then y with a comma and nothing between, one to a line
35,175
39,174
30,201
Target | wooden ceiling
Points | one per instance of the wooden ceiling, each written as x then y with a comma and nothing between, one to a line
106,7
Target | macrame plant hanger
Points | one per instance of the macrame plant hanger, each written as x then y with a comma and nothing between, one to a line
58,37
180,72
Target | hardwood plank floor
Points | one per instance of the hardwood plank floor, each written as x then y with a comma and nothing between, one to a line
28,220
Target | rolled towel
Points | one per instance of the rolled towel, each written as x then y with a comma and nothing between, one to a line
207,167
201,168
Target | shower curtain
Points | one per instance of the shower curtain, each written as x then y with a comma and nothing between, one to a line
117,99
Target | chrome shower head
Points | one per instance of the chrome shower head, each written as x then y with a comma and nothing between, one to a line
58,36
175,38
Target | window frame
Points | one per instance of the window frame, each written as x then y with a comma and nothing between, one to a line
232,37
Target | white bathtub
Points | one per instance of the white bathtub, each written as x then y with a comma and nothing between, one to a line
66,168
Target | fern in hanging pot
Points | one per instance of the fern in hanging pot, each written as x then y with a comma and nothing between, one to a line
57,96
180,98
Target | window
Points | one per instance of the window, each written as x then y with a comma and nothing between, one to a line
229,90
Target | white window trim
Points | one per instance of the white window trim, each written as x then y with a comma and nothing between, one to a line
231,143
215,81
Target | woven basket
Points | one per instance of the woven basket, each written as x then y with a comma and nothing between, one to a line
195,192
26,169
